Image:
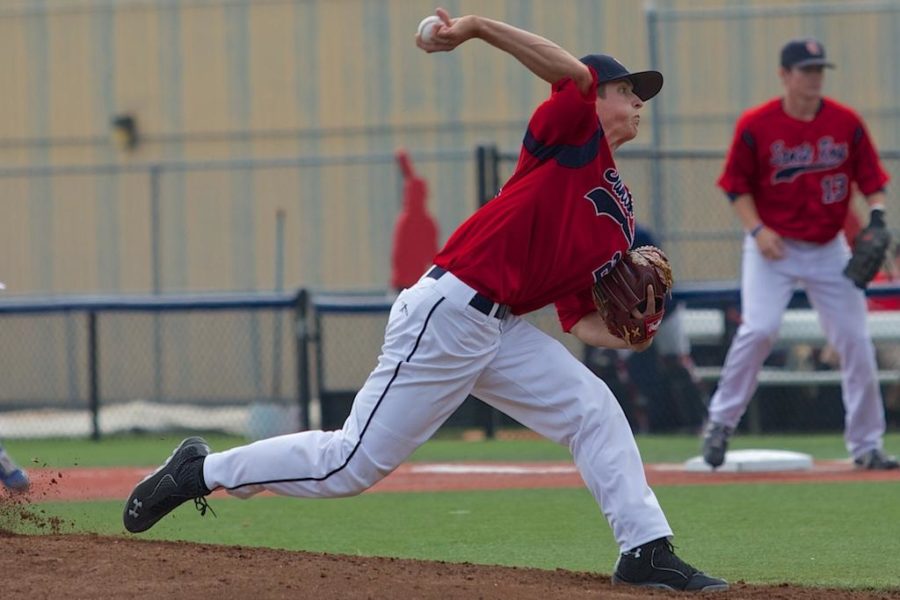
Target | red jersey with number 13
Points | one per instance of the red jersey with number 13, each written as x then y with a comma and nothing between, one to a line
563,219
800,173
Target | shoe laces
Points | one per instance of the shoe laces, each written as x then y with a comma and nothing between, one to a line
671,560
202,505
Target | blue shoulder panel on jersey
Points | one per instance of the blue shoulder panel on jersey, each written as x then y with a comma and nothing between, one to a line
748,139
572,157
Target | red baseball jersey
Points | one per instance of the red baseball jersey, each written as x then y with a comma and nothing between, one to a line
561,221
801,173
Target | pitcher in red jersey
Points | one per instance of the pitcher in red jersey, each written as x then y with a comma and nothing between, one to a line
562,220
790,174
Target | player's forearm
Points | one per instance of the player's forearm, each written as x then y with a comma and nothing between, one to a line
592,330
746,211
876,200
541,56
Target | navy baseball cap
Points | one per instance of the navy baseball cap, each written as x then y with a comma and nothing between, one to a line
646,83
805,52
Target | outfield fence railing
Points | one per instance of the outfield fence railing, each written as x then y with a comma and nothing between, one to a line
259,365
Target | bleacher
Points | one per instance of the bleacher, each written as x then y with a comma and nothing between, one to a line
708,326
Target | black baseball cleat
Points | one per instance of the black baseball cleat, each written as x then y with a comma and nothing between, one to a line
876,460
715,443
178,480
655,565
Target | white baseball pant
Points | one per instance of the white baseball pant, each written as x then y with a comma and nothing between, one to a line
766,288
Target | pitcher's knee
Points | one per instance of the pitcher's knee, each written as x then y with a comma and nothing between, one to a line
358,480
349,469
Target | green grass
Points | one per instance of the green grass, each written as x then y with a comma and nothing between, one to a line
835,534
813,534
146,450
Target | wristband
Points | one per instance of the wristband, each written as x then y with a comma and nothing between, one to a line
876,216
756,230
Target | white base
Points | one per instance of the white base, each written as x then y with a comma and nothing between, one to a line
755,461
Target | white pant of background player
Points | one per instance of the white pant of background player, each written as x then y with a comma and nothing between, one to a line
766,289
437,350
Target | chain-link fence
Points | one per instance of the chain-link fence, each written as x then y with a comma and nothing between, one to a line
261,365
95,366
721,57
662,390
210,226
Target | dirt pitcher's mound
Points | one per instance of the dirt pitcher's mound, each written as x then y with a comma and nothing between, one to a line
97,567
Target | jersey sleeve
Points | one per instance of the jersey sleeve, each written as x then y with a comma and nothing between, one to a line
870,175
740,163
566,115
573,308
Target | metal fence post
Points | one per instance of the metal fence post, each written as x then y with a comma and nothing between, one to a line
93,374
487,172
279,287
301,332
156,274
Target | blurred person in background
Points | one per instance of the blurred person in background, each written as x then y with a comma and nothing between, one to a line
656,387
415,232
790,174
12,476
664,374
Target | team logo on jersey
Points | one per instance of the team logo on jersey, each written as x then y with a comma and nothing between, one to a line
791,162
614,202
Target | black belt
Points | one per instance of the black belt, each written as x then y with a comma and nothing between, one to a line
481,303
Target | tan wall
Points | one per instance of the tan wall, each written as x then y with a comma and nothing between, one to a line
216,80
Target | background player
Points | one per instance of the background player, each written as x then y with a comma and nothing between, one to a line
563,219
415,240
12,476
790,174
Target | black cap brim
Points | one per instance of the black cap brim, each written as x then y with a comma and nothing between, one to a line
813,62
646,83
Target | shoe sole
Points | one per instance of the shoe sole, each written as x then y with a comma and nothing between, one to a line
715,461
876,467
719,587
141,500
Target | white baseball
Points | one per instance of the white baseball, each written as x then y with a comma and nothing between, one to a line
427,27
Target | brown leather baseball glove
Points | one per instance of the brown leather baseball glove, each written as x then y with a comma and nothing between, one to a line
623,291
